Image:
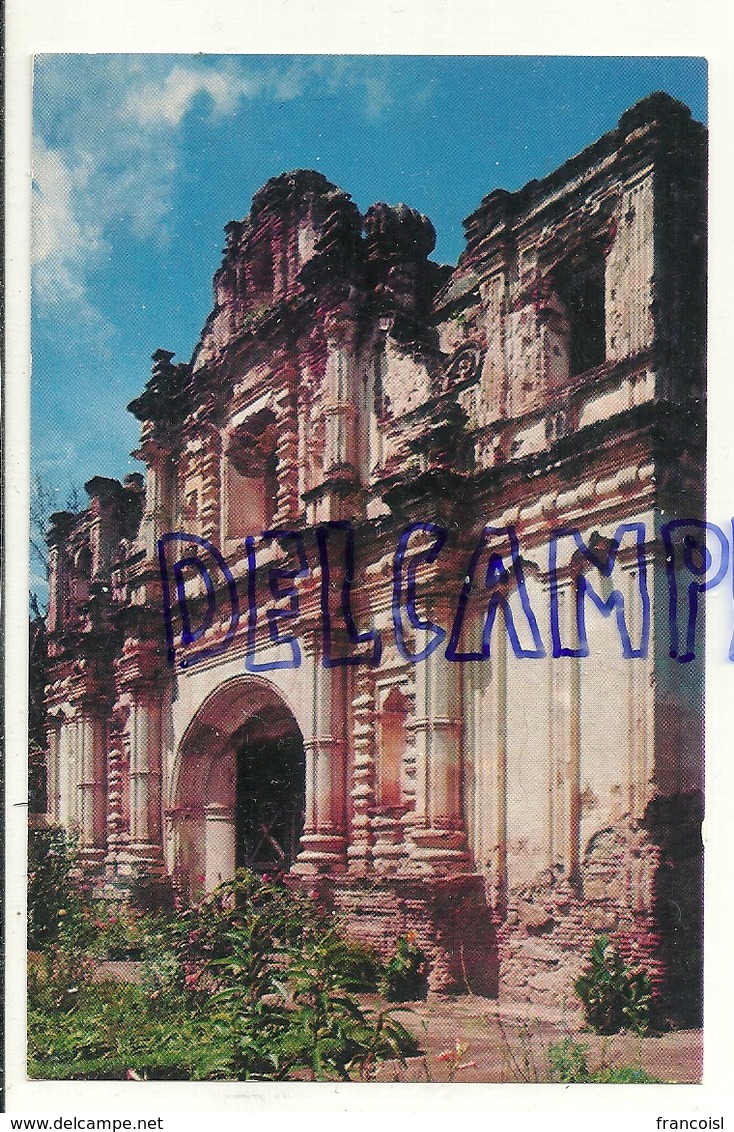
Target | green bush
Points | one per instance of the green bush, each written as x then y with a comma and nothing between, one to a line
153,895
115,1031
615,996
405,978
122,931
282,976
277,922
359,968
567,1060
624,1075
251,922
56,976
56,897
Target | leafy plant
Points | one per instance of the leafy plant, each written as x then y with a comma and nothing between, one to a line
623,1075
405,978
56,897
615,996
334,1035
282,974
567,1061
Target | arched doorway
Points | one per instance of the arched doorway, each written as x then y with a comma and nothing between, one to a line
239,790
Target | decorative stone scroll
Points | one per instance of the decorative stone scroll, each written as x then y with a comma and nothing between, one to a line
465,365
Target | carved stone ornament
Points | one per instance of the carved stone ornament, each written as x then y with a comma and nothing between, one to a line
465,364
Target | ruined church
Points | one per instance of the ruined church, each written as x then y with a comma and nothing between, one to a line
364,444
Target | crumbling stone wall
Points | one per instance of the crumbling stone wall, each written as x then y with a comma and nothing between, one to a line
448,917
642,886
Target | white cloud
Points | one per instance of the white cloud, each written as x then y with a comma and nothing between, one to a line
107,151
104,167
113,159
54,223
65,239
169,99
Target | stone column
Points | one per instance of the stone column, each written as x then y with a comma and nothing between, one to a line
439,839
219,844
53,768
158,512
139,684
91,783
323,845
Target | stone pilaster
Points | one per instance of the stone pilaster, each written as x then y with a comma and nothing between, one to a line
566,727
209,466
219,844
438,837
341,393
323,844
53,767
91,781
287,503
498,799
76,728
68,773
139,676
53,620
118,784
159,493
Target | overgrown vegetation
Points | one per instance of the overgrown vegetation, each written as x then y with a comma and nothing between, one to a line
62,915
532,1059
254,983
57,911
405,978
257,982
115,1031
567,1061
615,996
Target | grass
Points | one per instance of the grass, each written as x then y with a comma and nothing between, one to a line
115,1028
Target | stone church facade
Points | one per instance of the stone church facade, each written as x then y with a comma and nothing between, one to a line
347,390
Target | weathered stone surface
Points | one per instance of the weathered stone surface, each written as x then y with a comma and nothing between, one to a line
534,915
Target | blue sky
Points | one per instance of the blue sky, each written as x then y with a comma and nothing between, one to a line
140,161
